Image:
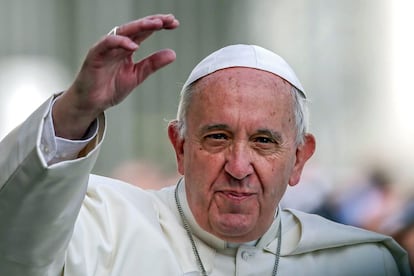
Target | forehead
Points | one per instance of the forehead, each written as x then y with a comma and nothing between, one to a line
243,94
249,77
240,84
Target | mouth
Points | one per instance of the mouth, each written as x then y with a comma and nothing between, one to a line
237,196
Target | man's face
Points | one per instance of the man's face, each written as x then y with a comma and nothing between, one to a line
238,154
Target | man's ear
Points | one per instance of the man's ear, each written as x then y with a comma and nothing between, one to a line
178,144
303,153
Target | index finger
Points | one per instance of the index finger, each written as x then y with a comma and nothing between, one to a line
148,24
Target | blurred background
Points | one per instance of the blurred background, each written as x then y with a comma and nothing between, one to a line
354,58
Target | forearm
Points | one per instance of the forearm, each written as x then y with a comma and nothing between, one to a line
39,203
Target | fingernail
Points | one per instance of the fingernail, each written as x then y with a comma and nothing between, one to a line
133,45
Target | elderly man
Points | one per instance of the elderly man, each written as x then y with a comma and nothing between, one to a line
240,138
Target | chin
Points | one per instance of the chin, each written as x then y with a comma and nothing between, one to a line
235,227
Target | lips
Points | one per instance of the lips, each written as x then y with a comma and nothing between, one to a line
236,195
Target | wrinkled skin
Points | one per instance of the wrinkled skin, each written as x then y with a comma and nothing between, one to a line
239,153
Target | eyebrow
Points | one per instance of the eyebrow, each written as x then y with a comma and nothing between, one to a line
213,127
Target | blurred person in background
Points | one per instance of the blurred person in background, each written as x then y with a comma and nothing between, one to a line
367,200
240,139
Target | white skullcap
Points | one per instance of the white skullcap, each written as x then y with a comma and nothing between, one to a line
250,56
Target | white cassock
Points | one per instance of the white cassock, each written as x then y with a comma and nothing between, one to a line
48,226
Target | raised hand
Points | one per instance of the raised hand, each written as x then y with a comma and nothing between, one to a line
109,74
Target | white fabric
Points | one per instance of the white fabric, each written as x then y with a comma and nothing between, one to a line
60,220
241,55
56,149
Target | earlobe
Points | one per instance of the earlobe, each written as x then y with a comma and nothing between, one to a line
178,144
303,154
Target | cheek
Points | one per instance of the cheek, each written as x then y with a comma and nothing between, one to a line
197,159
201,169
273,193
275,177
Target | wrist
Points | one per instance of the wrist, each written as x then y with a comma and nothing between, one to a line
70,121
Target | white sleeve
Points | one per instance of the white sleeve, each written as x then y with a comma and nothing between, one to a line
40,203
56,149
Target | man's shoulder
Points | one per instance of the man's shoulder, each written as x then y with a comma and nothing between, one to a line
111,189
319,232
112,200
114,192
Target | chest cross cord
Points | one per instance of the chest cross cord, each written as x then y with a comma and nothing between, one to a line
194,247
188,230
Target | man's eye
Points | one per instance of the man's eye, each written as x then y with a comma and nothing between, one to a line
217,136
265,145
215,142
264,140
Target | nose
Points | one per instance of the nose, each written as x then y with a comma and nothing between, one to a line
239,161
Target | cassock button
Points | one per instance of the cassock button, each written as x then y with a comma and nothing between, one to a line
246,255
